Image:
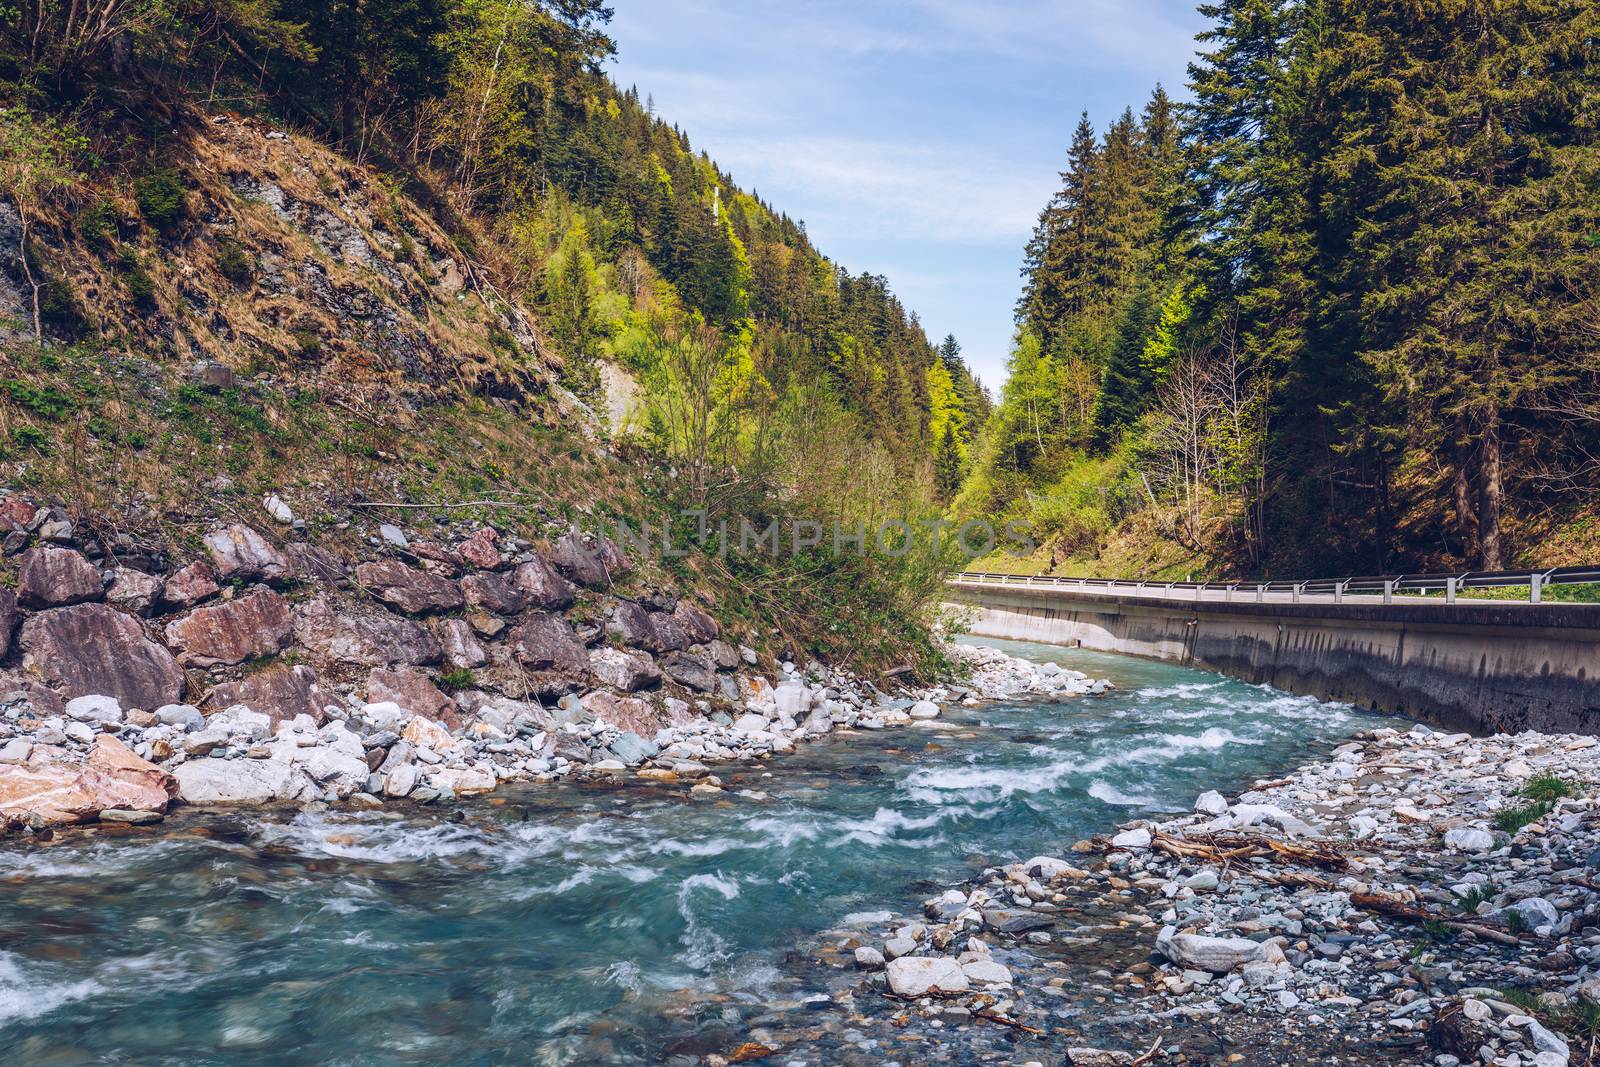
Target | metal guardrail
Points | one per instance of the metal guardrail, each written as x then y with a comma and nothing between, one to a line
1319,590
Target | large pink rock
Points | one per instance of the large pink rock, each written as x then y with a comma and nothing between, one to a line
491,592
414,691
480,551
92,648
232,632
54,790
341,637
240,552
46,790
190,585
625,713
409,589
544,588
280,693
118,778
49,577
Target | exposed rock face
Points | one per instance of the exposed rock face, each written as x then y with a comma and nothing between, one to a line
9,617
240,552
409,589
190,585
493,593
92,648
620,669
49,577
576,561
634,626
280,693
363,640
700,626
254,625
545,589
546,643
480,551
414,691
461,647
689,670
134,591
670,636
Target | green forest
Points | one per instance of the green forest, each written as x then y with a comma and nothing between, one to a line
751,350
1338,312
1335,307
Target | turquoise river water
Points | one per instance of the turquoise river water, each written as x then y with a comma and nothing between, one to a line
584,923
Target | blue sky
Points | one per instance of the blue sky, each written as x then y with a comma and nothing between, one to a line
916,138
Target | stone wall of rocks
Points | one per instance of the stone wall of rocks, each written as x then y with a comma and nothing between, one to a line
268,669
439,663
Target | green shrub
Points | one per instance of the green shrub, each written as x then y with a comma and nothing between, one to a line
141,286
456,680
1510,820
1547,789
30,437
236,265
161,198
308,341
97,223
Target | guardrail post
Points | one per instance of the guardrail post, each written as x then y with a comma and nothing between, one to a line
1388,590
1261,593
1534,583
1338,591
1298,587
1450,590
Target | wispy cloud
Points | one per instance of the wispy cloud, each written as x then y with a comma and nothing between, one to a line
871,188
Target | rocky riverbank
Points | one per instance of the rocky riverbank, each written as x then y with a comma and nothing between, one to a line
1419,897
551,672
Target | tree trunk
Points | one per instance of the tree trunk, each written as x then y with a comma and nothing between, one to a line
1466,514
27,272
1490,492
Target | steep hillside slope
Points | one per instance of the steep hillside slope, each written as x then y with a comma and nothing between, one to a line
270,254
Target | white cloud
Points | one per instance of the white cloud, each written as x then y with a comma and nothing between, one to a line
874,189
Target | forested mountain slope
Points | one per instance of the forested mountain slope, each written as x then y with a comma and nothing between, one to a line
396,252
1339,312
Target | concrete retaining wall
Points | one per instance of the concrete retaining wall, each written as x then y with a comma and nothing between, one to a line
1484,667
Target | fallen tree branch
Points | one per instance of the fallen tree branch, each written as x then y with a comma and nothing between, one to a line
1150,1054
996,1017
1384,904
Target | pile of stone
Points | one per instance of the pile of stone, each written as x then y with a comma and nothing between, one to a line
1381,897
994,675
